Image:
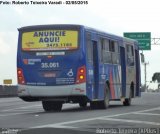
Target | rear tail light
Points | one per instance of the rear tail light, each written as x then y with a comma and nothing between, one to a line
81,75
20,76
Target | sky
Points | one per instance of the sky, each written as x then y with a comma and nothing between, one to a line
113,16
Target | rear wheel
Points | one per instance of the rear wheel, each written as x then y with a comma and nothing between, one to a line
83,104
104,104
127,101
52,105
94,104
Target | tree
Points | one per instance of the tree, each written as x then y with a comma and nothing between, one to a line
156,76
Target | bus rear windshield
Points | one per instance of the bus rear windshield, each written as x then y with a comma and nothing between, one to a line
47,40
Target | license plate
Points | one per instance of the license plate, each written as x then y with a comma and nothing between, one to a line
49,74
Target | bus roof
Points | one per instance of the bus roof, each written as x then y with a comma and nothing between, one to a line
37,27
76,26
116,37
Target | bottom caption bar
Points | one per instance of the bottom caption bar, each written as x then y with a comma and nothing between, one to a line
128,130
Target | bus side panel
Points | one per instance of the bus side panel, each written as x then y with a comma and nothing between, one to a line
92,73
111,73
103,76
130,72
123,70
138,78
89,82
114,73
95,69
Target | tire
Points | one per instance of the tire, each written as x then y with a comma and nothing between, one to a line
127,101
104,104
83,104
94,105
52,106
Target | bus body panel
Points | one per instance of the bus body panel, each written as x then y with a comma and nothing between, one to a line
123,70
58,74
138,72
37,74
111,73
52,76
52,91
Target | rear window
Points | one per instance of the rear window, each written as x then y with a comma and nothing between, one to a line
49,40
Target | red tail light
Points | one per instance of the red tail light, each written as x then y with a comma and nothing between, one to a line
20,76
81,75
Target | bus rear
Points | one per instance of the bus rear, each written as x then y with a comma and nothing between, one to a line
51,65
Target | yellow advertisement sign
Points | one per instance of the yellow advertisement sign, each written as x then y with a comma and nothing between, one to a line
50,40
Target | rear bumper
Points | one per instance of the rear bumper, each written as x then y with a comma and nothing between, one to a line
51,91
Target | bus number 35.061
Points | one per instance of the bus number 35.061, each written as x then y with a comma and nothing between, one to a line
50,65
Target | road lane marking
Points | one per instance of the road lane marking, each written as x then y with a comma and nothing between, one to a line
148,110
147,113
61,124
26,107
2,115
20,108
133,121
24,112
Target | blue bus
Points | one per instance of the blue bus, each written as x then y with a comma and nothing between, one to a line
59,64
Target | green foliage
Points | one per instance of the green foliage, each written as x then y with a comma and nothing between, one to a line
156,76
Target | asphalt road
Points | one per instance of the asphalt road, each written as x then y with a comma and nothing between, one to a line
17,116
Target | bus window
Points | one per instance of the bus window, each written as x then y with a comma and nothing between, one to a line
130,55
106,55
114,48
111,46
106,44
89,48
